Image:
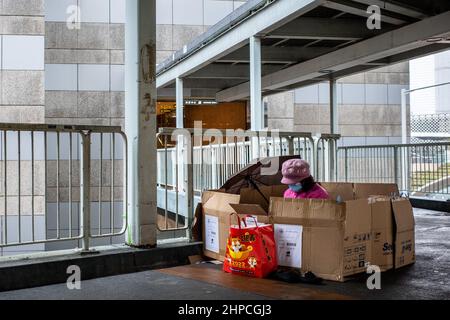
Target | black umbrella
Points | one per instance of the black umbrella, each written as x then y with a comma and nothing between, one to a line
265,172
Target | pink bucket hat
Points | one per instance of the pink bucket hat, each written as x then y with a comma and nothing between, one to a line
295,171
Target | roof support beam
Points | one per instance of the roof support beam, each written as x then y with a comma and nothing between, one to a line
359,10
324,29
227,71
168,94
281,55
272,17
392,7
392,43
210,83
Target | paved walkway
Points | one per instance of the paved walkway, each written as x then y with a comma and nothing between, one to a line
427,279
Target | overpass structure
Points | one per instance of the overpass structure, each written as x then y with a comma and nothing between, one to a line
266,47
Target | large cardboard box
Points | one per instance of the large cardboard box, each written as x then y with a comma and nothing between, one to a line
333,240
382,233
404,233
336,237
217,207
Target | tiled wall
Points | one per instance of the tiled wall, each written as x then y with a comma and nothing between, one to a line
22,93
22,61
369,107
84,80
180,21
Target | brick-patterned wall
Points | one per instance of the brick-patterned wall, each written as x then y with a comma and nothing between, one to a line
180,21
85,66
22,61
369,107
22,100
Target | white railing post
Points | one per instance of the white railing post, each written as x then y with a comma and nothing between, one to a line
189,167
85,185
404,117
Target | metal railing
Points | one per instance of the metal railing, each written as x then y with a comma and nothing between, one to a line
210,157
418,169
60,183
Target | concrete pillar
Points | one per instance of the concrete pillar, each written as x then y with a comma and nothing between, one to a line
180,102
256,102
140,120
334,112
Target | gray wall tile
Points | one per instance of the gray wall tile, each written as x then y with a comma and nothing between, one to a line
23,7
22,88
56,10
307,95
188,12
16,52
20,25
93,77
376,94
61,77
164,12
216,10
94,10
353,93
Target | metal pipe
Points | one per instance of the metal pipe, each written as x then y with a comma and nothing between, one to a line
5,186
19,207
113,155
58,206
70,186
32,186
100,186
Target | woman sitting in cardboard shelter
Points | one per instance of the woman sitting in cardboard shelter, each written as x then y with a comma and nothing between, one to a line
297,174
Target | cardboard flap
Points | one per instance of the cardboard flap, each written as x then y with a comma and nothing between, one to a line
249,209
403,214
252,196
307,208
206,195
217,203
358,219
366,190
278,190
381,213
335,189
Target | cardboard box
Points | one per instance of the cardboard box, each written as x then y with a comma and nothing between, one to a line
218,206
367,190
333,240
336,237
404,233
382,233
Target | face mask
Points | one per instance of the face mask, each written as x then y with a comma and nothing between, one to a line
295,187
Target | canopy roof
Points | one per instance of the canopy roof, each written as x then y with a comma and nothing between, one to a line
303,42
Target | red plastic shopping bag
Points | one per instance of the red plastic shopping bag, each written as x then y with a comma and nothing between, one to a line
251,250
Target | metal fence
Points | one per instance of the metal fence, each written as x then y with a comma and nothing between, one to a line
430,128
418,169
210,157
60,183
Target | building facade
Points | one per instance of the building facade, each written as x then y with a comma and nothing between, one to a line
55,71
369,107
